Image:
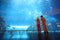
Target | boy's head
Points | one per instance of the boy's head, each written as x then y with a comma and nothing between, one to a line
41,16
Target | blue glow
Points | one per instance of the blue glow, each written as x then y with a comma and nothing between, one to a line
25,12
20,15
24,36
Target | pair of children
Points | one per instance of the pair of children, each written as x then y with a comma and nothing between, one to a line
44,27
43,24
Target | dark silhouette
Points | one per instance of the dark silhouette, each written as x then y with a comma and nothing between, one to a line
39,29
44,24
46,35
2,27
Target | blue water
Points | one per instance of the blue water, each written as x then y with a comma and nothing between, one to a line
30,35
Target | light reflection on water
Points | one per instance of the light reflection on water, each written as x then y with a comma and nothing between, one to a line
30,35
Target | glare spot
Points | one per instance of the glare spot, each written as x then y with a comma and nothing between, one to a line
16,36
24,35
58,25
49,24
20,27
30,13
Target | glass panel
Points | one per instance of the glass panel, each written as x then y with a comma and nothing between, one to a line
18,19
